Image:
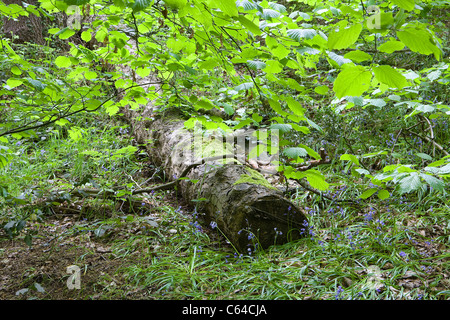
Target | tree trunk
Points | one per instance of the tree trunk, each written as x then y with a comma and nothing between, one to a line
27,29
236,198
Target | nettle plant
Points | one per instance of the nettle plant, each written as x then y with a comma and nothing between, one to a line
233,64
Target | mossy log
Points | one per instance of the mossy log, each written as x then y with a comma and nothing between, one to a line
239,200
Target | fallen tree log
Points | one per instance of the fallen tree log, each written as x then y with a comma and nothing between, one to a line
238,199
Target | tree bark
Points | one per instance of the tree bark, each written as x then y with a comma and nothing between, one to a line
236,198
27,29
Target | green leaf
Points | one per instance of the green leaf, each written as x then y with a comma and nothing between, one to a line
249,25
280,52
410,183
441,171
424,156
314,125
295,106
283,127
86,36
366,194
66,33
340,60
321,90
246,4
204,104
140,5
383,194
76,2
299,34
351,158
435,183
419,40
345,37
269,14
63,62
358,56
352,81
256,117
391,46
244,86
295,152
380,22
316,180
276,106
90,75
405,4
256,64
302,129
389,76
38,85
273,66
311,152
12,83
227,6
173,4
15,70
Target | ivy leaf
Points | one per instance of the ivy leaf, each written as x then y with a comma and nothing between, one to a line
345,37
389,76
352,81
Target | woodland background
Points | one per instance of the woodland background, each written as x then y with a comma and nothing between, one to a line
365,80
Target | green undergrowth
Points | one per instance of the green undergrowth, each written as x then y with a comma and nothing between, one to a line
379,251
395,248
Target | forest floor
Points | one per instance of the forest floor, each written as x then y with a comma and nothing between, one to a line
108,251
67,240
